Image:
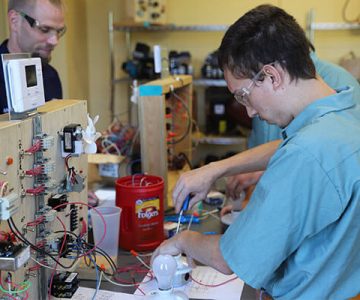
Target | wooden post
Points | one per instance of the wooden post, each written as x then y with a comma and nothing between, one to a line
165,121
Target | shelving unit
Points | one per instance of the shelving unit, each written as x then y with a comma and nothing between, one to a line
312,26
130,28
216,140
210,82
200,84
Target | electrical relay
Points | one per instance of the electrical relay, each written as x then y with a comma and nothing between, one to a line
65,284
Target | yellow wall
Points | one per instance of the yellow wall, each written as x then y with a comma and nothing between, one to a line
330,45
82,58
70,57
99,59
3,19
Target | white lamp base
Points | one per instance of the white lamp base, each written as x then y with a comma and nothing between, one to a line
167,295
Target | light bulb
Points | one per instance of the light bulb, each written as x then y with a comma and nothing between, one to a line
164,268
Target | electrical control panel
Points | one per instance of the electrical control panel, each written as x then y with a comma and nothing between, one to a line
43,200
146,11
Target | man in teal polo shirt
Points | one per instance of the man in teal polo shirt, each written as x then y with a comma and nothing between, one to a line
263,132
334,75
299,236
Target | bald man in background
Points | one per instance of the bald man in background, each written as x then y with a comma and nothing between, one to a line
36,27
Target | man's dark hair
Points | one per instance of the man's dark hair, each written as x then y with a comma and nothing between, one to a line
264,35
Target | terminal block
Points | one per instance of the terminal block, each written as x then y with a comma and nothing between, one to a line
47,167
9,205
68,246
50,215
45,217
64,285
47,142
73,217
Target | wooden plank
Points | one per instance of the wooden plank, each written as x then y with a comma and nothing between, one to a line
152,135
56,105
175,82
155,149
99,158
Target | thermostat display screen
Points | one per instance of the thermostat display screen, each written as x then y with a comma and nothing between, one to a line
24,81
30,72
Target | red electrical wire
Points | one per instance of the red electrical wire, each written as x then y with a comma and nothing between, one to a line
83,230
137,268
100,215
213,285
34,268
26,293
34,148
36,191
34,172
140,290
65,233
89,206
71,170
4,236
36,221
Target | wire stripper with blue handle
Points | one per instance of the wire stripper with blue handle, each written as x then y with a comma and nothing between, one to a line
184,207
184,219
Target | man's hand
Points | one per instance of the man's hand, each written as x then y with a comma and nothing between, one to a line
202,248
173,247
197,182
226,210
167,247
237,183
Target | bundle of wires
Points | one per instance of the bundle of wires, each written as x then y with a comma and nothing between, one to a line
189,119
118,139
74,248
15,289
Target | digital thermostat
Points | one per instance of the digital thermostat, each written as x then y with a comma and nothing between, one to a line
25,84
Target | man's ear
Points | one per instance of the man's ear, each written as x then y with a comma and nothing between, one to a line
274,74
14,20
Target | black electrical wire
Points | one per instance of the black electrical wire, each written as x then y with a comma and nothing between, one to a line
103,253
107,257
85,246
22,238
82,246
97,250
15,233
185,157
87,262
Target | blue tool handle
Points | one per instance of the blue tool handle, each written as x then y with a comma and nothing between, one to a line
186,202
184,219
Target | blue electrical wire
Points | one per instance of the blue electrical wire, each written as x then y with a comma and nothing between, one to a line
97,277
